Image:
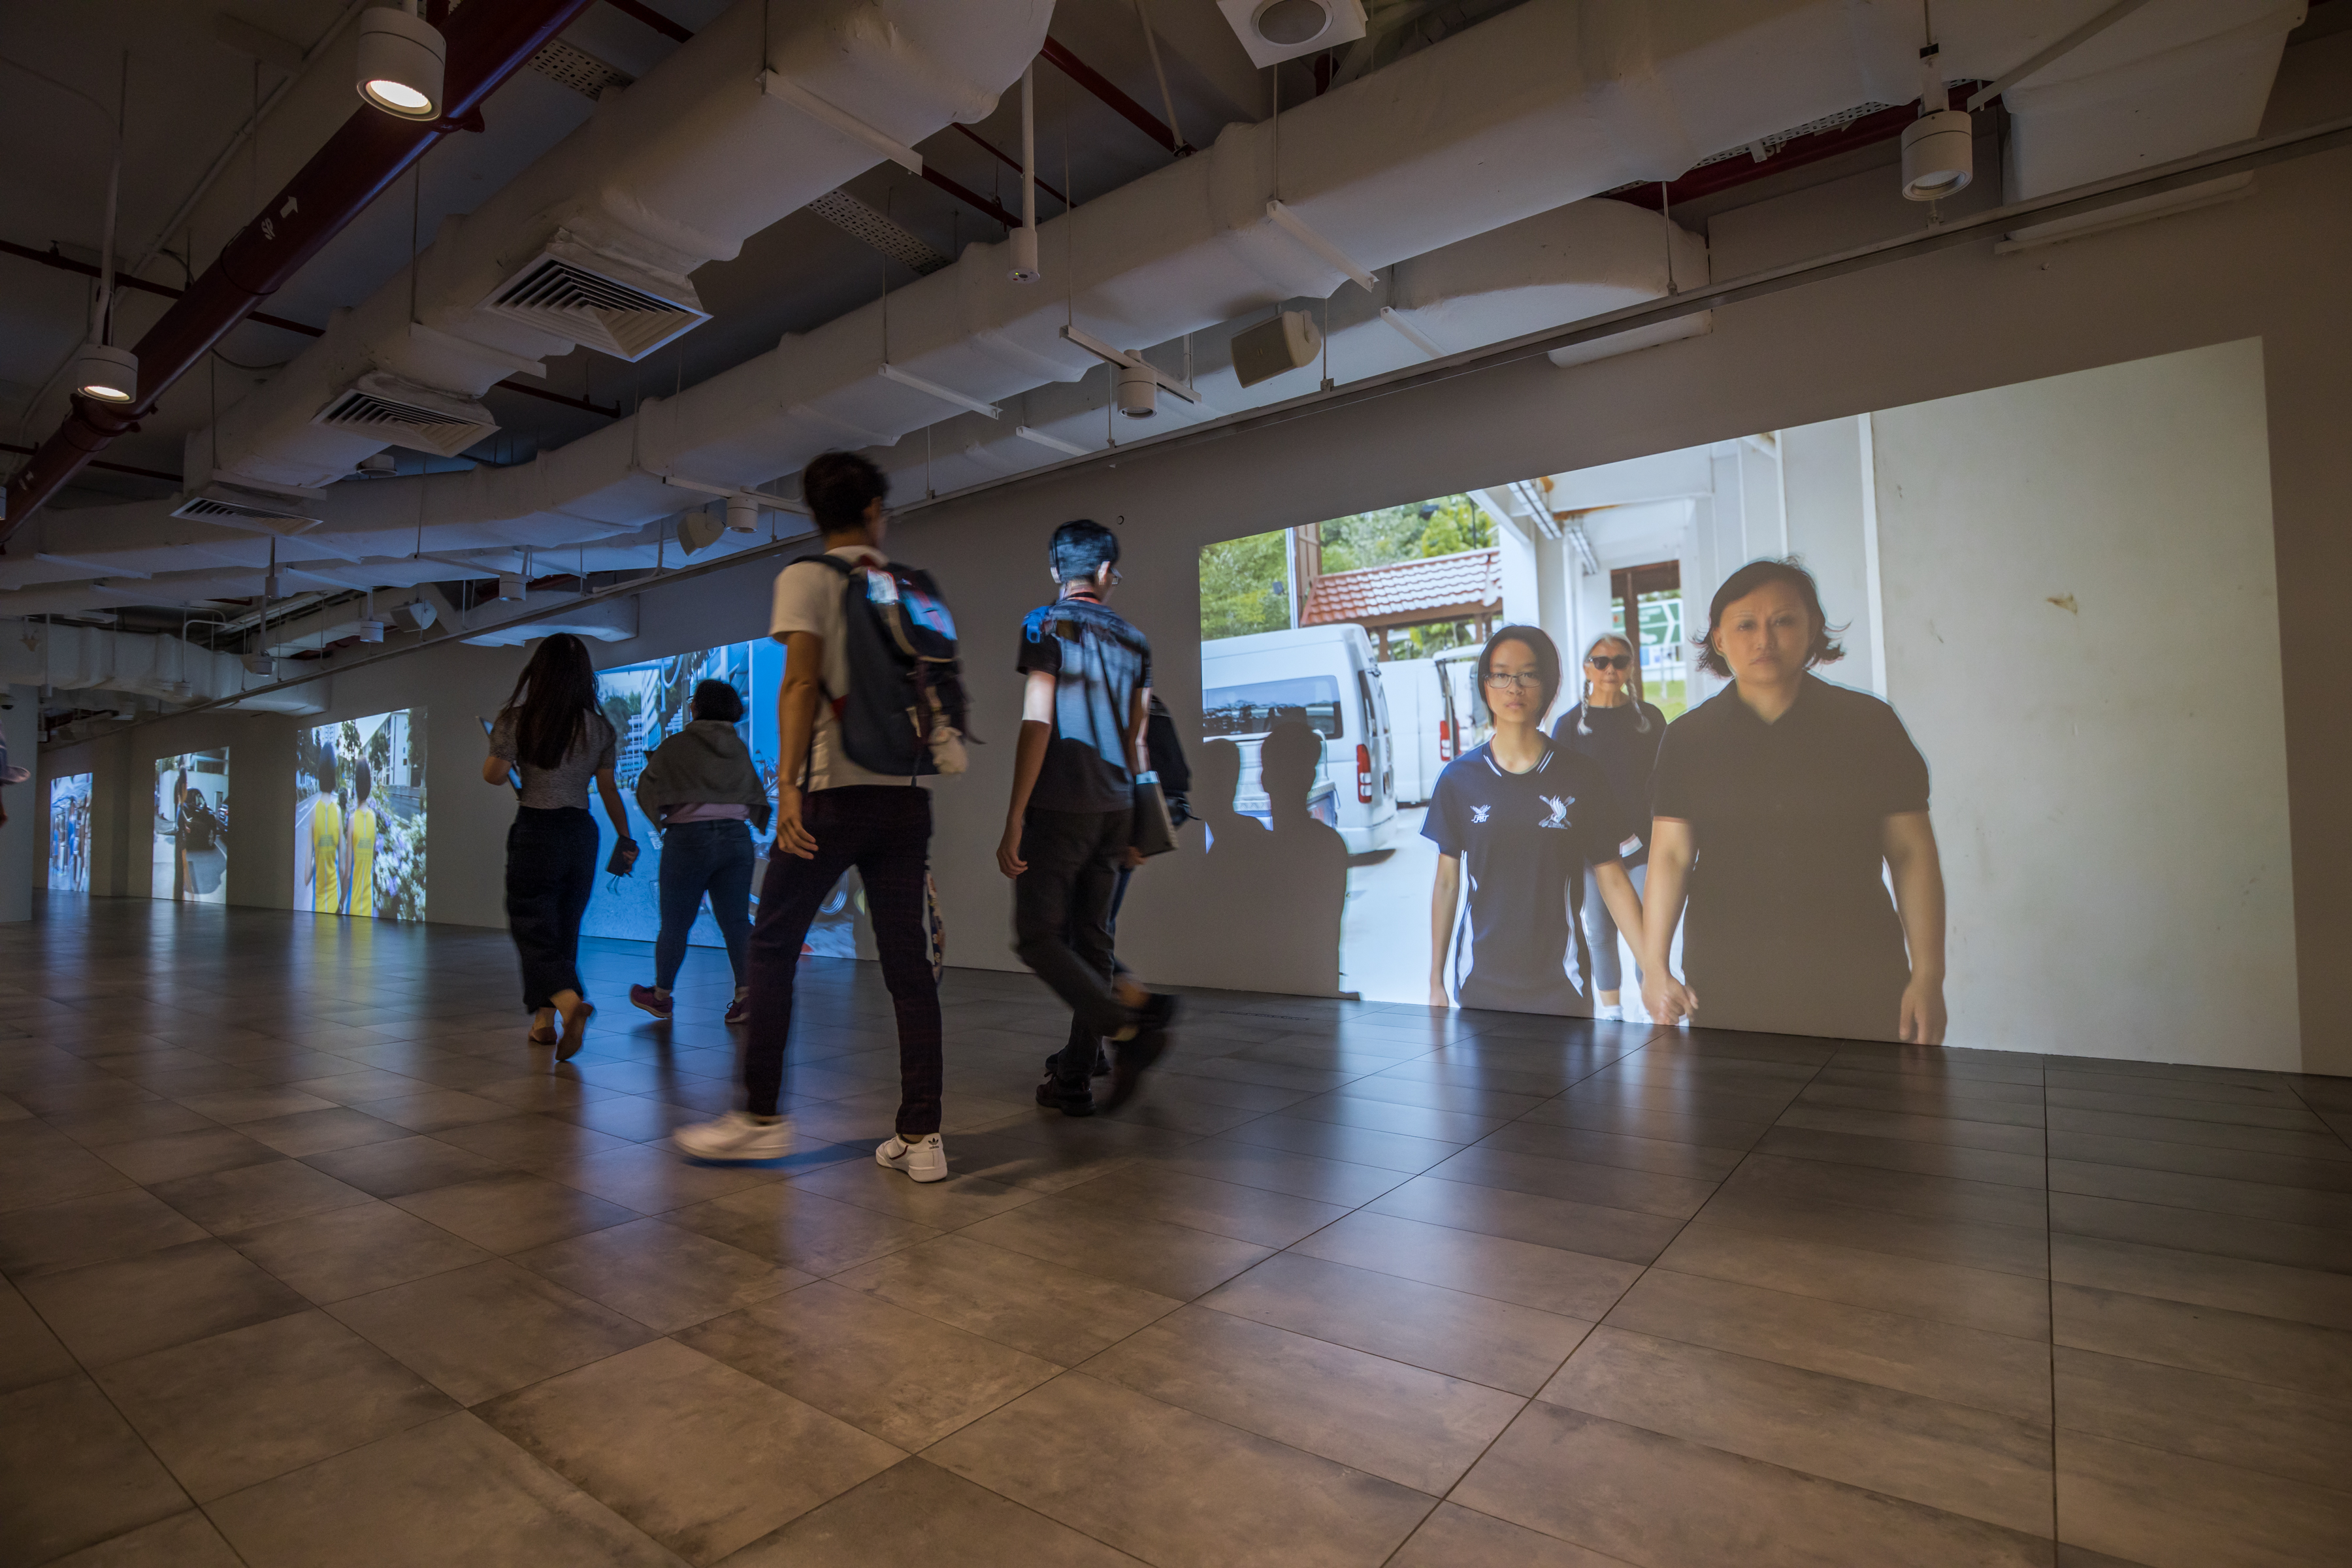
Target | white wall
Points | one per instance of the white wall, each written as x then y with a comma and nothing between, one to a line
2110,770
24,836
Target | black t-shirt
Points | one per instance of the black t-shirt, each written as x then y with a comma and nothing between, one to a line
1525,840
1789,820
199,828
1626,752
1098,663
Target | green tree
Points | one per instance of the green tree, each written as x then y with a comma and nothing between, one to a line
1245,586
1414,532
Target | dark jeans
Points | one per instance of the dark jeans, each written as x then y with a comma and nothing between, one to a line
701,858
550,871
884,831
1061,924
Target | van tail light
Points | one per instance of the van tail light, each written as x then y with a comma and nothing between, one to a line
1445,739
1364,775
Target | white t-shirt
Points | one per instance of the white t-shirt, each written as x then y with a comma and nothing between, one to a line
808,599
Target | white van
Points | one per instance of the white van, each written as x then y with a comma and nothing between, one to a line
1326,677
1438,717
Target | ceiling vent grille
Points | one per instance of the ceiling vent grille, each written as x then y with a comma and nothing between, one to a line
401,414
234,506
591,299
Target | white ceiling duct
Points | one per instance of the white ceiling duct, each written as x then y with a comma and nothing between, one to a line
167,669
592,244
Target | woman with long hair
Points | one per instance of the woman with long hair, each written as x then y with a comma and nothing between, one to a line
1614,727
554,737
1520,819
1783,808
702,792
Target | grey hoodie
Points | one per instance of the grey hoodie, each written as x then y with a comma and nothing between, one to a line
706,764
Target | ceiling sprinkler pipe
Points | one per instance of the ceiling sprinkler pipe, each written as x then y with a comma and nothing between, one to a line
1024,268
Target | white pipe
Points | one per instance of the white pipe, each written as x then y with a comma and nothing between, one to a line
1024,268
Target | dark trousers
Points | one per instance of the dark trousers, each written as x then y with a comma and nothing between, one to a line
1061,923
550,871
884,831
701,858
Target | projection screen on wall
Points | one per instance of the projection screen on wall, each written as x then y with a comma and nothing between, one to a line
192,828
70,834
2057,713
359,816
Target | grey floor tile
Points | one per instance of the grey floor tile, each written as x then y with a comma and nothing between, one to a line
111,1312
1119,1245
478,1332
435,1109
350,1251
1049,1449
1906,1155
2314,1145
174,1155
2290,1431
1620,1234
183,1540
402,1165
1454,1535
1924,1102
2198,1160
696,1454
1251,1214
949,1205
1347,1109
513,1211
2205,1107
125,1123
663,1276
39,1166
1917,1355
1341,1142
2205,1279
2003,1248
785,1222
515,1510
1573,1284
251,1195
241,1406
1734,1133
1917,1128
1610,1186
2169,1511
930,1515
1055,1313
904,1377
1666,1504
1772,1177
1498,1343
648,1180
1692,1160
1950,1457
1415,1427
240,1105
90,1230
2243,1345
29,1353
72,1473
1280,1170
1949,1293
319,1131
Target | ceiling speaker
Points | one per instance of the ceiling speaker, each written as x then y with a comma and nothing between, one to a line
1287,342
1277,30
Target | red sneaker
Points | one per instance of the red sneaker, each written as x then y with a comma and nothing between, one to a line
738,1011
650,1000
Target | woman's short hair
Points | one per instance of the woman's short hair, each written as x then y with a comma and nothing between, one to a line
717,699
363,782
1539,642
1759,574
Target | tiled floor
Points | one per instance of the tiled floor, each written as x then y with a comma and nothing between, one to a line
311,1261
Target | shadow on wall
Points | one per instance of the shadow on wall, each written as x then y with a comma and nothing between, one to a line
1273,890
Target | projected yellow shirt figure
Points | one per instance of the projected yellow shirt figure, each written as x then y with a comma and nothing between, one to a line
364,860
326,855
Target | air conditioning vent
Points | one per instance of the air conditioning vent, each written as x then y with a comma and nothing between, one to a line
401,414
257,512
574,293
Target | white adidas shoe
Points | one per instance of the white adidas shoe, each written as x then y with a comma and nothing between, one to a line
925,1158
736,1136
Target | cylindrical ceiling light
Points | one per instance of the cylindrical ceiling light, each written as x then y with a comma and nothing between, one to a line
1139,392
106,374
400,62
1938,148
742,515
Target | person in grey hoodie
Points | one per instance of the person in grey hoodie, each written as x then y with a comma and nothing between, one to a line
700,788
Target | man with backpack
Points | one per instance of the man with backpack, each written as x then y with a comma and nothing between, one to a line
1070,824
870,702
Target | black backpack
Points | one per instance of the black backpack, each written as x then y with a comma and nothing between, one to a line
904,678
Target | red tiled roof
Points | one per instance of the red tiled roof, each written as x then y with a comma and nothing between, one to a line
1409,591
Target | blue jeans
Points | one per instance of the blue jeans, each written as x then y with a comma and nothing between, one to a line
701,858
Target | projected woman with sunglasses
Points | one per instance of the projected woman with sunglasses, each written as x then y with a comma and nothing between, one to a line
1520,819
1783,808
1616,729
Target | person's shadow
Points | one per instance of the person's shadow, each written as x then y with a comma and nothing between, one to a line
1301,869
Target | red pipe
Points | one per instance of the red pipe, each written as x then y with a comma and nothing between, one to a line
1095,82
488,41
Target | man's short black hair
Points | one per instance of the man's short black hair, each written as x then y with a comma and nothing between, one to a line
717,699
1080,549
839,487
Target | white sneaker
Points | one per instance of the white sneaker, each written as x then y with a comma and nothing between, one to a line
736,1136
925,1158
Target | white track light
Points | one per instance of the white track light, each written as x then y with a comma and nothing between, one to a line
401,63
1938,156
510,585
106,374
742,515
1139,392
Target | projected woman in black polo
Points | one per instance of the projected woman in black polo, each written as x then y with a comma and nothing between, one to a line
1522,819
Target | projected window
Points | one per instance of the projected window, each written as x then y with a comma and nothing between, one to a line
1257,707
70,834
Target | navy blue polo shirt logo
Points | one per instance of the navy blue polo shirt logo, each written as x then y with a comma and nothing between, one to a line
1478,813
1560,804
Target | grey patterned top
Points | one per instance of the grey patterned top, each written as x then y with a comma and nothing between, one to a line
551,788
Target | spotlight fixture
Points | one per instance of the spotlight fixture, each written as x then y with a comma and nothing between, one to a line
1938,148
105,373
742,515
1139,392
370,630
400,62
510,585
382,466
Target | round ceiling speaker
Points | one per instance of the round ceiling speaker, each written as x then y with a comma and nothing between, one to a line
1291,23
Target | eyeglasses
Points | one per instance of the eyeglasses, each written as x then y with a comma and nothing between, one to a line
1528,682
1610,660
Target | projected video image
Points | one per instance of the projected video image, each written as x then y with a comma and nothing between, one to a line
192,828
1876,720
647,704
359,816
70,834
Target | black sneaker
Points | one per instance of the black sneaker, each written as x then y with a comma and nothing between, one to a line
1140,1049
1051,1095
1102,1062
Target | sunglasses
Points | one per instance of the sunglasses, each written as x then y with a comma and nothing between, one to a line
1611,660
